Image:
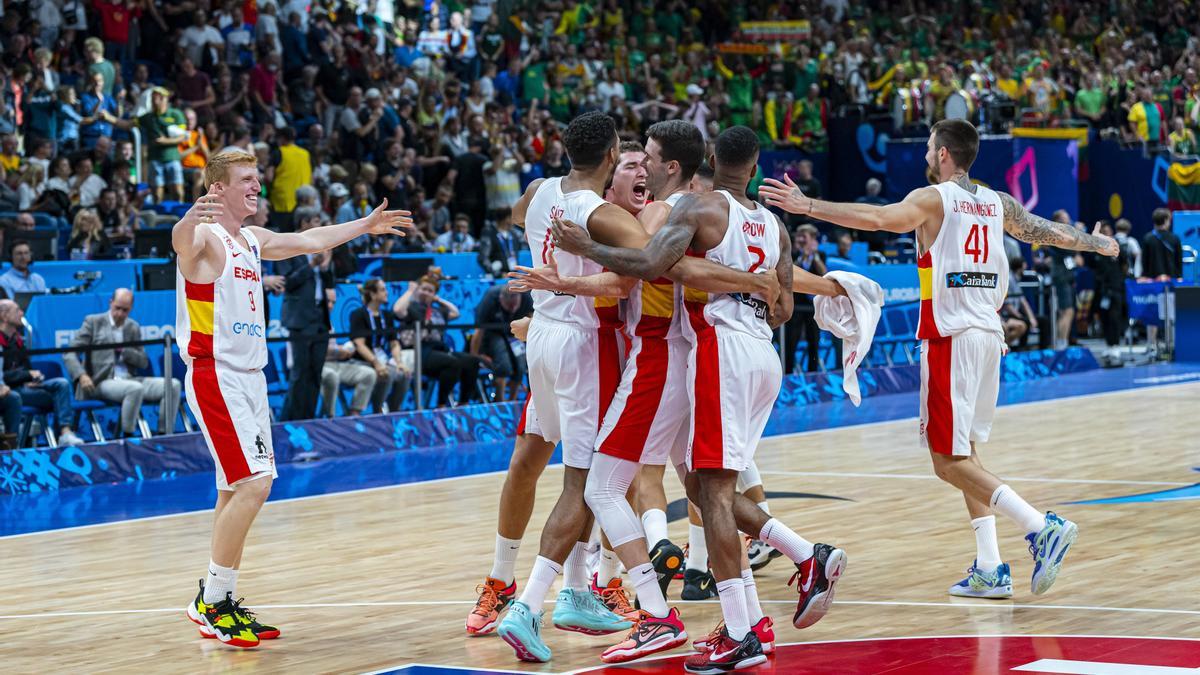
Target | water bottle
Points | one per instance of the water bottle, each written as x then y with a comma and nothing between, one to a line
153,251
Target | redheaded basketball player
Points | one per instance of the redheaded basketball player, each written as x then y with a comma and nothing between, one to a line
564,379
964,273
733,379
221,331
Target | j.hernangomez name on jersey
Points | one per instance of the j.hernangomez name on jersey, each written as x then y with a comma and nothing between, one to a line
971,280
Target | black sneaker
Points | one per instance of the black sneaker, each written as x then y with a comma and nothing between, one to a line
667,559
726,655
698,585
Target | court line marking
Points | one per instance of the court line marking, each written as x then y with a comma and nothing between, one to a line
444,603
475,669
930,476
431,481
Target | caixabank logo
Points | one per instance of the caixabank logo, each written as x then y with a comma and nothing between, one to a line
971,280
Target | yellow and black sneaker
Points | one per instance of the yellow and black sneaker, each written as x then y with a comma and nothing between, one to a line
195,613
263,631
225,620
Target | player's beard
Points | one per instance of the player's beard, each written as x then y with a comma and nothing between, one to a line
931,175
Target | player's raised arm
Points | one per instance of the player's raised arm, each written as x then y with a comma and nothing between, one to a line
187,238
281,246
1032,229
920,206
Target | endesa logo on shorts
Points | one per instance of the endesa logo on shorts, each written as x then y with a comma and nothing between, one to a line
245,273
970,280
251,329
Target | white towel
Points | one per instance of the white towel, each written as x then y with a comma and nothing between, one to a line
853,318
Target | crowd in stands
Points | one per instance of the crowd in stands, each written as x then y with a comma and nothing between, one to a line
110,109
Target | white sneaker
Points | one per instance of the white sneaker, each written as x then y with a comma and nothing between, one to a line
69,438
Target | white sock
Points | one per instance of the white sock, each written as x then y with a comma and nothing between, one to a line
649,594
697,548
219,582
753,608
795,547
545,571
1009,503
654,524
733,607
765,507
576,569
610,568
504,561
987,549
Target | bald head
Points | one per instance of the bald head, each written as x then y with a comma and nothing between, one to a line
120,305
10,313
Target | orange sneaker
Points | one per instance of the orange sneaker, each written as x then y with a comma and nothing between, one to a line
764,629
649,636
494,597
616,599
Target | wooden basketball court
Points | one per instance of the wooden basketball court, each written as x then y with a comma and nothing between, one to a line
375,579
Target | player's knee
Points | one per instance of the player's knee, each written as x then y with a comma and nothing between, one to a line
947,467
257,487
524,469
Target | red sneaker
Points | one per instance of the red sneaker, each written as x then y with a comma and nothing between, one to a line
649,636
815,579
494,597
764,629
616,599
727,655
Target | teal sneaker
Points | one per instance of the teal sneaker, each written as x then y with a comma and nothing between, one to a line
580,611
1048,548
522,630
979,583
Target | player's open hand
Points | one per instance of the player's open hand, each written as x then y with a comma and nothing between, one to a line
524,279
786,196
1108,246
569,237
381,221
208,208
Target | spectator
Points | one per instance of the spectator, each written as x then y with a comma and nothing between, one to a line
1162,252
292,169
500,245
193,154
99,109
437,211
1130,246
1109,297
555,162
93,50
1016,314
35,391
118,230
88,239
844,243
1146,116
306,302
376,351
200,42
458,239
504,355
470,188
19,278
1182,140
85,185
162,130
421,303
803,322
111,374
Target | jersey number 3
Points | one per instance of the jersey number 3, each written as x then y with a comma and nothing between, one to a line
971,247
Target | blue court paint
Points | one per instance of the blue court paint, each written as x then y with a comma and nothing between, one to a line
103,503
1173,495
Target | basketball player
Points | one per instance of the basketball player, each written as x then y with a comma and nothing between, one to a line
221,331
733,379
964,276
564,380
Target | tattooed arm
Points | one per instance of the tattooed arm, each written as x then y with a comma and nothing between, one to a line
782,307
631,254
1037,230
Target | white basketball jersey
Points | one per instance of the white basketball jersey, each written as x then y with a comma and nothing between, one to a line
654,308
964,274
550,202
751,244
224,320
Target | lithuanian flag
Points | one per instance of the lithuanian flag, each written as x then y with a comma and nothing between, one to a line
1183,187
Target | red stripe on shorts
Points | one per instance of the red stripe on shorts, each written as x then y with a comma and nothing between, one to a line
708,442
524,414
217,421
610,370
627,440
939,430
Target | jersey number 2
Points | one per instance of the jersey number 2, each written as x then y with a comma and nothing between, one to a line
757,253
971,248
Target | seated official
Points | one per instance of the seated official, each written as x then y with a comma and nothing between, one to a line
35,391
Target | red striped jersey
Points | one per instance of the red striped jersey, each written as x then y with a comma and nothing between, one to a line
224,320
964,274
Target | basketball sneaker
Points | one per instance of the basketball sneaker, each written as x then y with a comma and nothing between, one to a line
225,621
1048,548
615,598
667,559
651,635
979,583
679,572
580,611
761,553
196,610
764,629
815,579
494,597
522,630
698,585
727,655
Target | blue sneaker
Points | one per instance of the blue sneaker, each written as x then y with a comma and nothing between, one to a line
984,584
580,611
521,629
1048,548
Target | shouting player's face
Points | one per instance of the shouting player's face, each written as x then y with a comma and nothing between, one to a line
629,182
241,193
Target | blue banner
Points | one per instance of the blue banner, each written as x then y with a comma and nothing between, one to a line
1147,301
114,274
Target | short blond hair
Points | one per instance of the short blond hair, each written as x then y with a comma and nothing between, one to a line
217,169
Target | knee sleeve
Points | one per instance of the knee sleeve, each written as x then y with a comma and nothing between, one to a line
749,477
608,481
